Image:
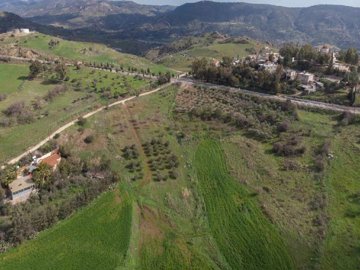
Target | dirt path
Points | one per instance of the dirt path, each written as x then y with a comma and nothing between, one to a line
68,125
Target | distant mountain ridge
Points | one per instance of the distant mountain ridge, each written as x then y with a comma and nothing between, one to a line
149,24
317,24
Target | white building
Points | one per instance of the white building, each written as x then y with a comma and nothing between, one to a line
341,67
291,74
269,66
21,189
306,78
25,30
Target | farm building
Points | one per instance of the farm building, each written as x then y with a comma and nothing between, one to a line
21,188
52,159
306,78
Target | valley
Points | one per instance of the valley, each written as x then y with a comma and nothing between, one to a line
168,226
217,144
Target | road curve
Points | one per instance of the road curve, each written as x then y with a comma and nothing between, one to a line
66,126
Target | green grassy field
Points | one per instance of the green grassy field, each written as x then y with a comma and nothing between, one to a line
341,249
117,83
215,50
97,237
244,236
15,86
62,109
81,51
233,205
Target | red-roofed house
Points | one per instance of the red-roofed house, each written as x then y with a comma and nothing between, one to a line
52,160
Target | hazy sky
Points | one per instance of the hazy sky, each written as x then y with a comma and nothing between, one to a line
293,3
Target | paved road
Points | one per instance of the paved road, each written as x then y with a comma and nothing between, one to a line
298,101
66,126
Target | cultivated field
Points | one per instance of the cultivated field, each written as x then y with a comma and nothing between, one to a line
244,184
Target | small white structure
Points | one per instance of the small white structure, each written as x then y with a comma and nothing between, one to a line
21,189
306,78
25,30
291,74
341,67
21,32
269,66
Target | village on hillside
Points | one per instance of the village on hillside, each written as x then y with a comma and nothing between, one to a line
323,73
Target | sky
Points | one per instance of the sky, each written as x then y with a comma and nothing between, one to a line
292,3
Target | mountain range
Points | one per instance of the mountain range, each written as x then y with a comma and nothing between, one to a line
125,24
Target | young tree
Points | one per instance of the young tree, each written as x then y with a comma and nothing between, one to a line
352,56
61,71
8,175
42,176
35,69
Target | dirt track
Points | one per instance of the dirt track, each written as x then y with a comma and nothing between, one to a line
66,126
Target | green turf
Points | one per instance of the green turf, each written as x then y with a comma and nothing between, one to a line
244,236
95,238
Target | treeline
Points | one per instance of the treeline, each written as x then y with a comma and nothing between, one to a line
76,183
53,73
303,57
245,74
306,57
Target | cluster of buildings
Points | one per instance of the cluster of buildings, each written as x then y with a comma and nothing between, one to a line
22,187
268,60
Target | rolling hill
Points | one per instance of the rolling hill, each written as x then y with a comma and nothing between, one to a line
182,52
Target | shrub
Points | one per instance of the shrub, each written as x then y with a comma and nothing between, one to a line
291,147
89,139
57,90
284,126
319,163
81,121
347,118
15,109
